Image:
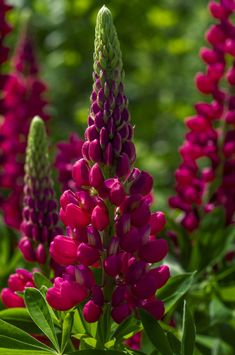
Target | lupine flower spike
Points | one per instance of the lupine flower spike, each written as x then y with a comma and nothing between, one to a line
110,228
202,189
23,97
40,218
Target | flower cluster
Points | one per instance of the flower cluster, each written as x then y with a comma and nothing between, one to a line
110,228
40,218
206,177
23,97
68,152
5,28
16,283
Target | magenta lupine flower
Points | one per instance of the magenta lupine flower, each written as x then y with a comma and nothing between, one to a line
40,218
23,97
200,188
16,283
109,224
134,342
68,152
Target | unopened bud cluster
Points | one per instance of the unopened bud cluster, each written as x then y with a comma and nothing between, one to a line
40,218
204,140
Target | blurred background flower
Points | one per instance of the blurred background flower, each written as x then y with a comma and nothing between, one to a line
160,40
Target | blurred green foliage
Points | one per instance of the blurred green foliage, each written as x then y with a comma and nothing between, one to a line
160,40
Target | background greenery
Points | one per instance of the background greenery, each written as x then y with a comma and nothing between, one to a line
160,40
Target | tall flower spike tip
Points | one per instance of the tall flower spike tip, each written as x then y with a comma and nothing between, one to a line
109,133
39,212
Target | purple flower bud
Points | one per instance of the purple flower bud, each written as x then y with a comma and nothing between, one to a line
157,222
91,133
64,250
10,299
190,221
87,254
99,121
141,215
85,150
118,295
80,173
123,225
135,271
161,274
113,265
154,250
154,307
100,218
108,155
95,152
97,295
96,177
123,166
41,255
120,312
117,193
91,311
131,240
76,216
129,149
26,249
104,137
117,144
142,184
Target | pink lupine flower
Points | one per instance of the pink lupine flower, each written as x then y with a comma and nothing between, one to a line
110,228
16,283
194,189
23,97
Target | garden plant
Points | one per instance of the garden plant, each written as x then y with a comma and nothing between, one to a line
89,261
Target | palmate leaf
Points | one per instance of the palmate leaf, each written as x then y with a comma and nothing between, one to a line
13,337
39,312
4,351
20,318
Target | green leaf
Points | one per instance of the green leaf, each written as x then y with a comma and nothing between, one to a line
15,334
4,351
155,333
218,312
174,289
41,280
40,314
96,352
66,330
227,293
189,332
129,325
20,318
174,343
